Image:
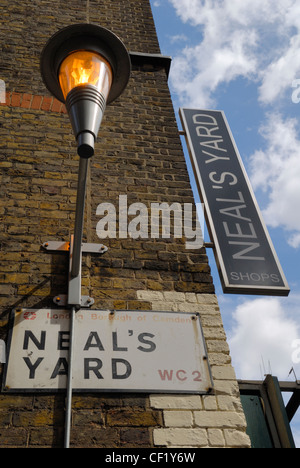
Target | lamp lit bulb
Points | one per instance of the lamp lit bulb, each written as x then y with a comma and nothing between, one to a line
85,68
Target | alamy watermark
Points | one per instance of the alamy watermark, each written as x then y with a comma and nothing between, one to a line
296,353
2,92
162,220
296,92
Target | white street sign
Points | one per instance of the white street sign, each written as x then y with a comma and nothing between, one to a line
138,351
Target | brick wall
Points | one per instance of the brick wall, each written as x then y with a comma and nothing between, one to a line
108,422
138,154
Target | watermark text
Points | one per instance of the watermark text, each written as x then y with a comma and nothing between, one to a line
162,220
296,352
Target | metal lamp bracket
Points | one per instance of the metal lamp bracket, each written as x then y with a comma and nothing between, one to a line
74,297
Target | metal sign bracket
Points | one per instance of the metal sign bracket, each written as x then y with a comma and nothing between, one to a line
74,296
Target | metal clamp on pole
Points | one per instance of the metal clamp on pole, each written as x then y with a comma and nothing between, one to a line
74,291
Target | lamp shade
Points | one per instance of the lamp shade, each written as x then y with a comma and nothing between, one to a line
85,66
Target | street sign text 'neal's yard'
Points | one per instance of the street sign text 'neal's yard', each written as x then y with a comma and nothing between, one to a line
113,351
246,258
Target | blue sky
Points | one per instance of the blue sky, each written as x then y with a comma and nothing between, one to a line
243,57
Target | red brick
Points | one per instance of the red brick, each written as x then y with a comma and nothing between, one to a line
8,98
36,102
26,101
16,100
46,104
56,106
63,109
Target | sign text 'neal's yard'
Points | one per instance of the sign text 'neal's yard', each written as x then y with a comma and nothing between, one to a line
120,350
244,251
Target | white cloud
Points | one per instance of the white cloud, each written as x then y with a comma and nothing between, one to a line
276,170
279,75
256,39
198,72
263,332
178,38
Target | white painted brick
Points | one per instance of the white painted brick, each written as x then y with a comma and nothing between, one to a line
206,309
219,359
180,437
229,403
223,373
210,403
207,299
188,307
226,387
215,333
150,295
217,346
211,320
236,439
174,296
165,306
178,418
190,297
216,438
219,419
175,402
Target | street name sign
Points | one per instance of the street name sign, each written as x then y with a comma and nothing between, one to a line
128,351
244,252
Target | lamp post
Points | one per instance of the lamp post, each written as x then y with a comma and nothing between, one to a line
86,67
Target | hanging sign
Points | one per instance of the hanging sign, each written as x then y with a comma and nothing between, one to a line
245,255
128,351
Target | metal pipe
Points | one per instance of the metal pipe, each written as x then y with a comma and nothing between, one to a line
68,416
79,216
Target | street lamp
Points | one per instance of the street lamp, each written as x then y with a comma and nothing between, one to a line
85,66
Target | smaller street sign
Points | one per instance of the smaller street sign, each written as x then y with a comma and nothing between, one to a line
128,351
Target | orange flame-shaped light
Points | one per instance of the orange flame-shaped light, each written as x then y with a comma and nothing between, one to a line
84,67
